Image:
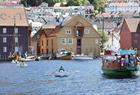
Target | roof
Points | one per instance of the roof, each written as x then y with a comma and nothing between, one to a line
48,26
56,30
72,21
9,16
132,24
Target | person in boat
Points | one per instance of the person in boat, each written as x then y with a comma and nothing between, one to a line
61,69
122,60
126,60
132,59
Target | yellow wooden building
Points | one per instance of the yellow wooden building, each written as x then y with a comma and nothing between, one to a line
75,34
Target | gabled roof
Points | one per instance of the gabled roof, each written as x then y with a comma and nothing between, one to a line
7,16
72,21
132,24
48,26
56,30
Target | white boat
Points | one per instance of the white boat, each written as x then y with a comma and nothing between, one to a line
82,57
64,54
26,59
61,74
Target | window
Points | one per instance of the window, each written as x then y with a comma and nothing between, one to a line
4,30
16,39
16,30
86,31
16,49
63,40
4,39
4,49
70,41
68,31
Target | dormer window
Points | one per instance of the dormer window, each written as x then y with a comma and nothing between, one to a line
68,32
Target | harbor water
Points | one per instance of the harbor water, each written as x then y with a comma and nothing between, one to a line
84,78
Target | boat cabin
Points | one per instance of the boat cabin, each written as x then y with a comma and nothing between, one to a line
122,59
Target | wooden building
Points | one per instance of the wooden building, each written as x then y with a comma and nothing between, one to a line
130,34
14,31
74,34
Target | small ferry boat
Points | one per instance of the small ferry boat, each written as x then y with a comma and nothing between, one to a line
124,64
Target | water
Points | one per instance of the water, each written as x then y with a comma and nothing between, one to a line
85,78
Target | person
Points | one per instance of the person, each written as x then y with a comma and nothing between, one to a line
132,59
122,60
61,69
127,60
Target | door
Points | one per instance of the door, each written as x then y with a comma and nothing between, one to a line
79,45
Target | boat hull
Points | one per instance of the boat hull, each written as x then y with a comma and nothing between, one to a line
120,72
66,57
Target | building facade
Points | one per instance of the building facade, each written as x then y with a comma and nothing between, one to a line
130,34
75,34
14,31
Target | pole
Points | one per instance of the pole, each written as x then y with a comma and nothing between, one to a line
102,32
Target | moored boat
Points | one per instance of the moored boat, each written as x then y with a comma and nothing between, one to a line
82,57
64,54
120,65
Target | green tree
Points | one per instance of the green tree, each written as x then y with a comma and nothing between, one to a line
31,2
76,2
24,2
104,38
98,4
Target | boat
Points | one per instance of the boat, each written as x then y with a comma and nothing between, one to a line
61,74
64,54
114,65
82,57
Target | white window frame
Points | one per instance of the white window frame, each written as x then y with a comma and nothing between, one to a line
63,41
16,30
4,30
87,31
16,39
70,40
16,49
4,40
68,31
4,49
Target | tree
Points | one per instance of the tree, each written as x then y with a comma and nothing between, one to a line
31,2
76,2
98,4
104,38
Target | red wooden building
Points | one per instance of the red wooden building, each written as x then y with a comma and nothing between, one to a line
130,34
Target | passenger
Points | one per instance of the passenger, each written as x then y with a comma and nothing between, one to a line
132,59
122,60
126,60
61,69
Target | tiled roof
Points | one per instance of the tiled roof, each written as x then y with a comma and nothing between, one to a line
56,30
7,16
132,24
48,26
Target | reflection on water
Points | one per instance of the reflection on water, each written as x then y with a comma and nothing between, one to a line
85,78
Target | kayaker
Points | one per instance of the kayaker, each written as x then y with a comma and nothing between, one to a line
61,69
